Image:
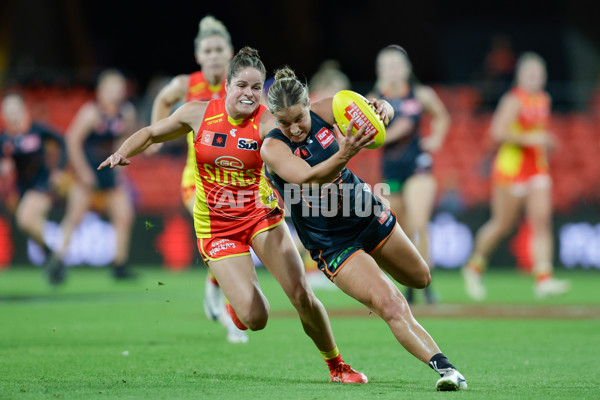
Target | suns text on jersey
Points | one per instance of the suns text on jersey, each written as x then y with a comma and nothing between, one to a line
228,177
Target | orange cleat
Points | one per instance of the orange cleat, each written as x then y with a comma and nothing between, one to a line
235,318
345,374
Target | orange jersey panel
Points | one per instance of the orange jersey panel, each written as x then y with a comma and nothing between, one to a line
200,90
535,110
230,186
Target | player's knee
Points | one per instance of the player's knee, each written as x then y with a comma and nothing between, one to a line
390,306
257,323
256,318
302,297
423,279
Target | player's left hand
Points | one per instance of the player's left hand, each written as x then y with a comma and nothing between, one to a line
114,160
381,110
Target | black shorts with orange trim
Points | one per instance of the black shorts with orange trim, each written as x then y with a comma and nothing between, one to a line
331,260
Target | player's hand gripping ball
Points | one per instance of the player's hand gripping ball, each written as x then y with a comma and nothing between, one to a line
348,105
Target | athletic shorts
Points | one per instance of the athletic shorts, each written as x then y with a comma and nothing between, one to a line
521,169
331,260
413,161
237,243
41,185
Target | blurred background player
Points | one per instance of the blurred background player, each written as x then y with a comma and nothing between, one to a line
26,144
327,81
407,160
520,179
236,209
213,53
96,131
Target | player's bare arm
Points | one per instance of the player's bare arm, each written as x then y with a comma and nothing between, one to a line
440,121
76,135
174,92
280,159
508,112
188,117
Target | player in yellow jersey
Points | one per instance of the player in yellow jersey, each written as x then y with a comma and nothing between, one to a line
235,208
213,53
520,179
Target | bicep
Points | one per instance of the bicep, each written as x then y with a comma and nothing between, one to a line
82,125
168,129
187,118
174,92
431,102
279,158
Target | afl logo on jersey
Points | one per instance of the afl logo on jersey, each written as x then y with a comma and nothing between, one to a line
229,162
247,144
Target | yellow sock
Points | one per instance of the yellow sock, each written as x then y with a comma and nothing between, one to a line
331,354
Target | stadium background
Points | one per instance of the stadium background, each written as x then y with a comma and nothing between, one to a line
53,50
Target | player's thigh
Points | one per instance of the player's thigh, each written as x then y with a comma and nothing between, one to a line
237,278
276,249
419,198
505,207
119,205
362,279
400,258
78,202
539,206
33,207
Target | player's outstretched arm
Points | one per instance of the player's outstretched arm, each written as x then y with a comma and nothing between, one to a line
185,119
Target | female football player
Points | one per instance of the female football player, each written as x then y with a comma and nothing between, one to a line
407,159
520,179
213,53
235,208
349,232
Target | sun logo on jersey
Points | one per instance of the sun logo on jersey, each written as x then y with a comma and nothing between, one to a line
247,144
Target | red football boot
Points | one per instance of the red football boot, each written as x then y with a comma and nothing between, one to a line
345,374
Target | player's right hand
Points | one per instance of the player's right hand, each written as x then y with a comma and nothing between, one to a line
114,160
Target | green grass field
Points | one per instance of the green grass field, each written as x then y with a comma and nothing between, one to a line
94,338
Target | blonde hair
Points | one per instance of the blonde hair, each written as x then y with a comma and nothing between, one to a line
529,56
210,26
287,91
328,75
